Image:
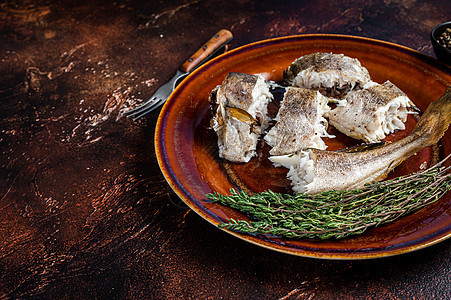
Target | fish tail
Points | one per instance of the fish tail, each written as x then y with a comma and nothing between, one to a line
435,120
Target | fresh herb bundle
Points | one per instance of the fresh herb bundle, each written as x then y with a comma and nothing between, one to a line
335,214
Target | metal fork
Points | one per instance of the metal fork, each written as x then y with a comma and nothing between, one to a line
157,99
198,58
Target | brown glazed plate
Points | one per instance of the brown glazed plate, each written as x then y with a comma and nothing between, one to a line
187,151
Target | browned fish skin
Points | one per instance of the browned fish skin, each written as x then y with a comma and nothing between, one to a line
318,61
300,123
326,170
332,74
237,89
372,112
240,114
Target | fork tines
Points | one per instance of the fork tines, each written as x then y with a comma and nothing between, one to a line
145,108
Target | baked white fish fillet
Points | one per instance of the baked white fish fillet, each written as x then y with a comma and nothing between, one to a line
372,113
332,74
240,106
300,122
315,171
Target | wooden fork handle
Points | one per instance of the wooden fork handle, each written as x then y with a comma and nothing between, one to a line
210,47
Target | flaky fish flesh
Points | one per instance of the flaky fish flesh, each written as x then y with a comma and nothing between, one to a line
332,74
315,171
370,114
300,122
240,106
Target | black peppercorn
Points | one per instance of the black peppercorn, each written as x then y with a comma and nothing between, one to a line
445,38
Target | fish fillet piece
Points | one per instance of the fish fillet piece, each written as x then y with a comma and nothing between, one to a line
315,171
240,106
332,74
372,113
300,122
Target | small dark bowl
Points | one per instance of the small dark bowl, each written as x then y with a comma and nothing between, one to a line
442,53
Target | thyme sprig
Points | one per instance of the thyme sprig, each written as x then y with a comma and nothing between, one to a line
335,214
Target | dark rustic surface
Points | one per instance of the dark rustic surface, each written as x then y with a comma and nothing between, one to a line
84,209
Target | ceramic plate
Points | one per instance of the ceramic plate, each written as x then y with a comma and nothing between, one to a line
187,151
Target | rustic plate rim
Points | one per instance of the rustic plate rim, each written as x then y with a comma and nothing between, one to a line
179,189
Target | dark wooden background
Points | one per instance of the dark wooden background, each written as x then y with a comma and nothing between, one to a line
84,209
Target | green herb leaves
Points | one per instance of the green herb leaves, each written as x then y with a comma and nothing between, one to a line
335,214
